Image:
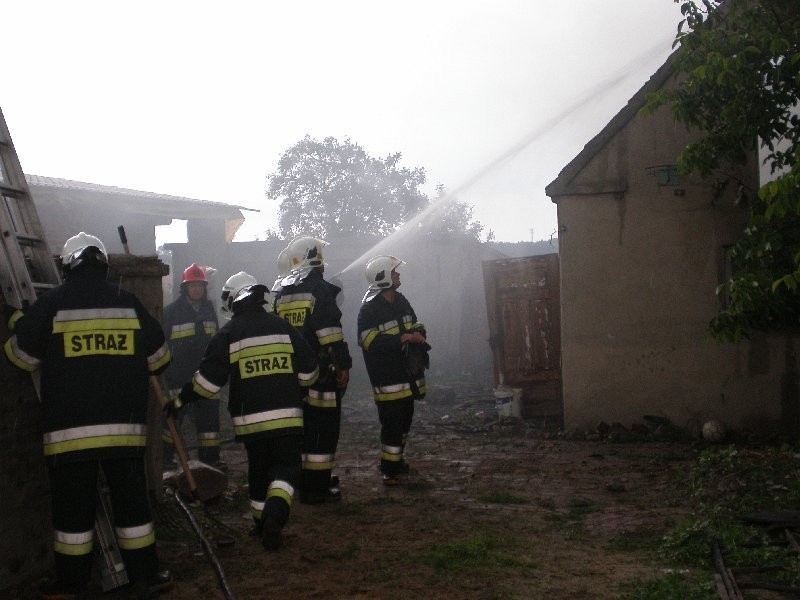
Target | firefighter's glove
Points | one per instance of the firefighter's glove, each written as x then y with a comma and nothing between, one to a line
174,403
187,394
172,406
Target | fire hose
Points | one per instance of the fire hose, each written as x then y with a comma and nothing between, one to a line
207,547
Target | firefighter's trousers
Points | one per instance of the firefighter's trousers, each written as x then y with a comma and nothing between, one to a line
273,473
204,412
395,417
321,426
74,496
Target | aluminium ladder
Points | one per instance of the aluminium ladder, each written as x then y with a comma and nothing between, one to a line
27,269
26,266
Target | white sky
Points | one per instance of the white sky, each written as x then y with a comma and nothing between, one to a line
200,99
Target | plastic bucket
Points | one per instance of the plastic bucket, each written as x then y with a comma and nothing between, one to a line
504,402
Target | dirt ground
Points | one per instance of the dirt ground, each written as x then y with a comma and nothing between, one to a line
493,508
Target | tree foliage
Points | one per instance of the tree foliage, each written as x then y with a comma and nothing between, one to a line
329,188
739,67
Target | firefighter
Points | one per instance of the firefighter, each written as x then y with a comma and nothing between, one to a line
97,347
189,323
268,364
396,356
308,302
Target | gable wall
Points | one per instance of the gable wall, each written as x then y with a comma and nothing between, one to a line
638,276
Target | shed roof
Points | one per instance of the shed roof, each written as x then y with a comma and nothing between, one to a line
149,203
560,186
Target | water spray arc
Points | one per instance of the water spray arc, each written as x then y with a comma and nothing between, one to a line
408,228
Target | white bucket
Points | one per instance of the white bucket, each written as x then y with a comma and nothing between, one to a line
504,401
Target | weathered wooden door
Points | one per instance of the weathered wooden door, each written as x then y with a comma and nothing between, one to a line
523,304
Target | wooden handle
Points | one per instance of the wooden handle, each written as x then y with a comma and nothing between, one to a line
123,238
176,438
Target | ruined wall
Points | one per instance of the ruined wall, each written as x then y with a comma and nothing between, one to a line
24,493
141,276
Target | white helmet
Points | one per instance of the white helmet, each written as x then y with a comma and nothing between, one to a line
379,274
284,268
80,248
237,288
284,262
305,254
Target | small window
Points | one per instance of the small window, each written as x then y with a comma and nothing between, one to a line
666,175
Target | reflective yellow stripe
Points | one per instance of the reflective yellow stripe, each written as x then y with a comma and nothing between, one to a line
268,425
307,379
256,508
367,337
397,391
182,331
399,395
278,341
135,538
94,436
321,399
204,387
295,305
208,440
19,358
281,489
95,442
12,321
89,324
262,349
73,544
329,332
159,358
318,462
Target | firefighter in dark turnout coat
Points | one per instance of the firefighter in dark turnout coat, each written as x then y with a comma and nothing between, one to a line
189,324
308,302
96,347
269,365
396,356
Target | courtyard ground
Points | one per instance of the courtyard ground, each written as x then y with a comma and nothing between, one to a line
493,508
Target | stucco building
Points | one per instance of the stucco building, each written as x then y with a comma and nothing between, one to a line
642,251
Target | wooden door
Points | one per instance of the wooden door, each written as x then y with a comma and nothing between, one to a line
523,304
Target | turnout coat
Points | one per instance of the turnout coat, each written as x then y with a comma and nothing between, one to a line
310,305
96,346
268,364
188,332
394,371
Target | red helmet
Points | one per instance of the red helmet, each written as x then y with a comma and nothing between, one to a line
194,272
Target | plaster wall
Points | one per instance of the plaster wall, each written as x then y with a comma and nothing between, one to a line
640,263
